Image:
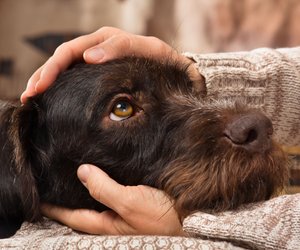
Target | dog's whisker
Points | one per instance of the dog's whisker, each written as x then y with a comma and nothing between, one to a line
144,123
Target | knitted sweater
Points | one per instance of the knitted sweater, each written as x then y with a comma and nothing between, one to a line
274,224
268,79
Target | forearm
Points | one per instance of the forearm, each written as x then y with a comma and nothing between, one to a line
265,78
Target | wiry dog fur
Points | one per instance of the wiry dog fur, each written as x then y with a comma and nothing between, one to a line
173,141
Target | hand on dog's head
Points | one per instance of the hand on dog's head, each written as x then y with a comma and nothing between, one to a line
143,122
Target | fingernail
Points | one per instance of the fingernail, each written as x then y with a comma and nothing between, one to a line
83,173
95,55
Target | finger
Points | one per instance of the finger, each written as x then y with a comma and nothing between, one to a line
88,221
114,47
67,53
125,44
48,75
30,88
153,47
101,187
64,55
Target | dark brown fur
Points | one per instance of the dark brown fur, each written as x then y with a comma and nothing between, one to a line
174,141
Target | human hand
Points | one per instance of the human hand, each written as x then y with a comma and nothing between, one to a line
104,45
135,209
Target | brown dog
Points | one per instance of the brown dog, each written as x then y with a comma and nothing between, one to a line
143,122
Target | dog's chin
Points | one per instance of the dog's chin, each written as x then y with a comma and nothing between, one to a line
226,181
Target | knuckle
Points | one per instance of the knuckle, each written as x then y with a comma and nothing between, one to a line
129,204
119,45
104,29
95,191
108,30
63,47
124,40
156,41
153,39
158,44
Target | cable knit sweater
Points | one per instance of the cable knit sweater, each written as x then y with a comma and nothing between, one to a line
265,78
268,79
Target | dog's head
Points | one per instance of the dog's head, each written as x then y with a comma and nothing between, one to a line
143,122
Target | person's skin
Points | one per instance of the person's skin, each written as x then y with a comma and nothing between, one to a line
101,46
135,209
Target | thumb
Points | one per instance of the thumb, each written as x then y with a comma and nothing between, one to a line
117,46
122,45
101,187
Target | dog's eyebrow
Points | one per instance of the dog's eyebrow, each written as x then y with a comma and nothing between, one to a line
127,87
127,84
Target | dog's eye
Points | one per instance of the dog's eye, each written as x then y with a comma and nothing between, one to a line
121,111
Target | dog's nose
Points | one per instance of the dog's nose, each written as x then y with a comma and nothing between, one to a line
251,131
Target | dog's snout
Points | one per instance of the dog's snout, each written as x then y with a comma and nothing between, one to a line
251,131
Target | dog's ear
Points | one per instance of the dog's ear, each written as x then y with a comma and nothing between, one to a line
19,198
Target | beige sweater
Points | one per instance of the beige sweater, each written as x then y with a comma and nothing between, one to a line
265,78
269,79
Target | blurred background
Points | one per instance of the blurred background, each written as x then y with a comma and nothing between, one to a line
30,30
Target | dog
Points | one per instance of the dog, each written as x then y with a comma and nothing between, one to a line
142,122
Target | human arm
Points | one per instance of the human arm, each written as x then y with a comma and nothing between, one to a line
273,224
268,79
101,46
233,72
265,78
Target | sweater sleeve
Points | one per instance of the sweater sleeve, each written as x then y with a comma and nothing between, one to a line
268,79
274,224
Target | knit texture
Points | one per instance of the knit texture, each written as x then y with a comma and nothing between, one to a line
274,224
51,235
268,79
